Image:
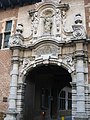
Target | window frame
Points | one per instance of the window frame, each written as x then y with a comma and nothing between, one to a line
3,32
0,40
66,98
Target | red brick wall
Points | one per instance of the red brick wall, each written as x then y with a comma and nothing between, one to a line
87,13
8,13
5,60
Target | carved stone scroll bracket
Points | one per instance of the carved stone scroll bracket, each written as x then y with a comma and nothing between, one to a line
78,28
79,32
68,60
26,63
66,31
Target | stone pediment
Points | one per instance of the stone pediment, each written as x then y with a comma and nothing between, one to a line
43,40
46,39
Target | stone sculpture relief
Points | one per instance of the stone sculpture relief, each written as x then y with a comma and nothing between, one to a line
58,20
35,23
15,40
78,29
47,21
48,25
46,49
68,60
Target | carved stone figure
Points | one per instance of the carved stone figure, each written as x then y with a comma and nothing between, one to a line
19,29
78,19
48,24
58,18
35,23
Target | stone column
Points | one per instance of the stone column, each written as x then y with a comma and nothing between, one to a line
20,99
80,83
12,109
15,43
73,84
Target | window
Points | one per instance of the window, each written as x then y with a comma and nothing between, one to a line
62,100
7,33
65,99
4,37
8,26
4,99
69,100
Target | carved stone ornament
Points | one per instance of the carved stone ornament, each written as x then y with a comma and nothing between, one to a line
58,19
26,62
68,60
15,40
45,59
47,21
46,49
48,24
35,23
78,19
19,29
78,31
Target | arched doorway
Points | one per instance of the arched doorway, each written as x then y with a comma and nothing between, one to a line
45,87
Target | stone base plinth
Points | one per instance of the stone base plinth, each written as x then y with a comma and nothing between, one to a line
81,116
10,115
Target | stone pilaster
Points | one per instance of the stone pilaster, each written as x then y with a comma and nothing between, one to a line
80,83
20,99
12,110
15,43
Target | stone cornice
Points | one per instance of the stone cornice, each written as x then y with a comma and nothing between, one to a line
17,42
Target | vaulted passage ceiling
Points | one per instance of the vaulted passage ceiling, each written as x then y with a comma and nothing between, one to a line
13,3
